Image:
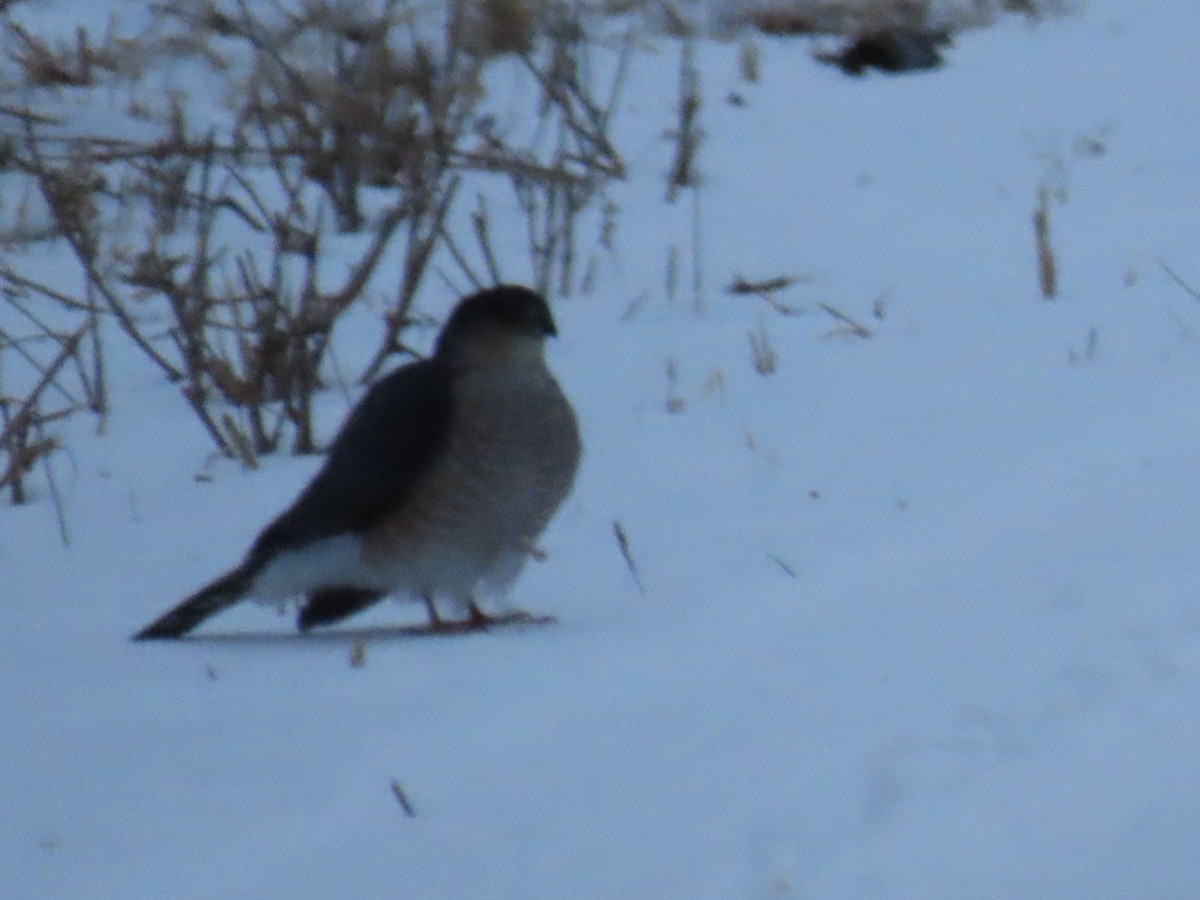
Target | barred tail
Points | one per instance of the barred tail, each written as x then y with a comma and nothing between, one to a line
210,600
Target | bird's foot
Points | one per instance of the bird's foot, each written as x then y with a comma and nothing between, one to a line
478,620
481,620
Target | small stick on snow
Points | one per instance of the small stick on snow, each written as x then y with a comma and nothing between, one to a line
779,562
1047,263
1178,279
627,555
778,305
852,325
765,288
765,285
402,799
238,442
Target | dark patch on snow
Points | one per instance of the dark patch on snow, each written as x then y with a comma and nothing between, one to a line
894,52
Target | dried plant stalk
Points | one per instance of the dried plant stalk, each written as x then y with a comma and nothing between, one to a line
1046,261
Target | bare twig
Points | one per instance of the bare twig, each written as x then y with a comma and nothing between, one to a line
763,354
447,239
95,382
627,555
1178,279
238,442
675,404
687,133
766,290
482,225
425,225
697,252
18,281
60,511
564,92
740,285
22,438
1047,264
852,325
17,345
25,414
402,798
787,569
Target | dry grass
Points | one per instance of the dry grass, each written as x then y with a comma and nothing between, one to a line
687,133
766,289
763,355
56,362
1091,346
675,404
206,244
626,551
1047,262
846,325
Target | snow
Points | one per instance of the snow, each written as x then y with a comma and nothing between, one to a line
920,615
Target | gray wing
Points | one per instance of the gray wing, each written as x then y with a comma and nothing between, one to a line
385,446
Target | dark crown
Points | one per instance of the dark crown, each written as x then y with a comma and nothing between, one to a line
508,307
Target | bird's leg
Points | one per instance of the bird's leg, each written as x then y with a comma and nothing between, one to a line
477,618
435,621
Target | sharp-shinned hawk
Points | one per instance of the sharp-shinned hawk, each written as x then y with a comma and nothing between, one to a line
436,488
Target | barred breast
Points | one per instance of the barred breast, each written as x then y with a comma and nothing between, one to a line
511,460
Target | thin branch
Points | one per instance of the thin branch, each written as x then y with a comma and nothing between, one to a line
420,249
25,414
362,271
22,281
481,222
118,310
1047,262
787,569
1188,289
239,442
852,325
741,285
402,799
627,555
17,345
55,494
460,259
765,290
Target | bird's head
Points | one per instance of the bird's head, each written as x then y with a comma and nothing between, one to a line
508,321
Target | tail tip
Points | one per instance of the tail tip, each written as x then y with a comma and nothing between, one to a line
161,630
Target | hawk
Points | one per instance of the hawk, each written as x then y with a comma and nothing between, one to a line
436,488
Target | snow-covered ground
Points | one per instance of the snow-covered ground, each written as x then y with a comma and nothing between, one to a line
921,614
